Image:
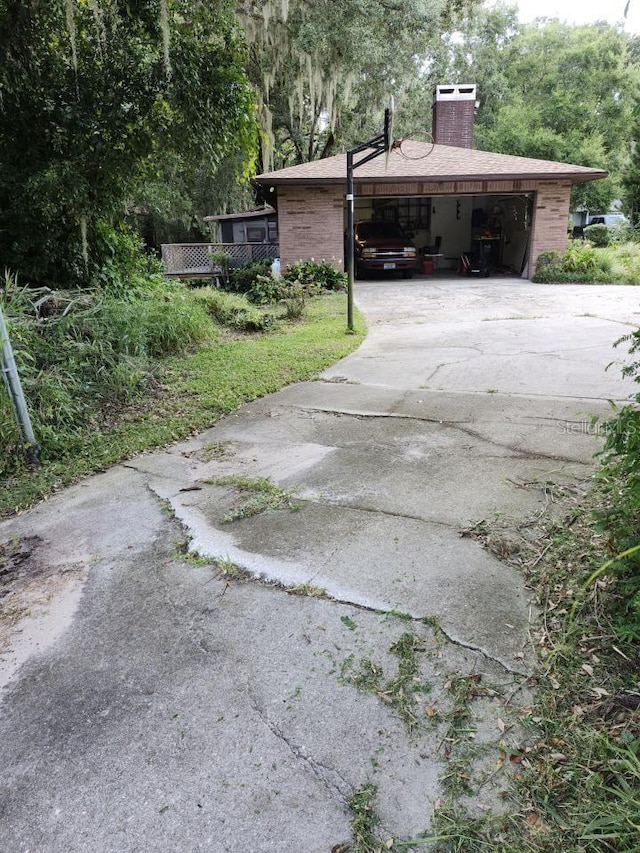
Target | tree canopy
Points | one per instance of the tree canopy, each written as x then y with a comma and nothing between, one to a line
163,103
97,97
324,70
558,92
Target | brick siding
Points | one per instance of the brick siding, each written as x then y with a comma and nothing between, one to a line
311,224
550,219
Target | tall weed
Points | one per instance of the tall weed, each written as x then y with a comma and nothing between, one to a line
580,263
80,352
620,474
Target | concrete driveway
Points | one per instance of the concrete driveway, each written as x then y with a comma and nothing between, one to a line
235,701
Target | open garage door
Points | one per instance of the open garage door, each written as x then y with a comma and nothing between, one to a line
491,233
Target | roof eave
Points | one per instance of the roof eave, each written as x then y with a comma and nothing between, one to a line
574,177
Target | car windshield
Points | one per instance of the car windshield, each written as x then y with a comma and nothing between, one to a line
379,229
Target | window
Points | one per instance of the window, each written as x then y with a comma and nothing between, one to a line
255,233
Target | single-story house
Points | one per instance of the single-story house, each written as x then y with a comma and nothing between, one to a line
447,190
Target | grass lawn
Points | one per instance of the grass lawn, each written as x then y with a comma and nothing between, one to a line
193,391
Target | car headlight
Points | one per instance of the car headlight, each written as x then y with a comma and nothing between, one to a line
368,253
409,252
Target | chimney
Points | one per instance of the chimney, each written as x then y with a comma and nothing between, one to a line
453,115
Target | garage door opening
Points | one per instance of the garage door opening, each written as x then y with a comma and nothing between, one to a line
491,233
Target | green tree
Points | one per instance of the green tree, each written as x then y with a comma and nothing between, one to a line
571,96
631,185
97,97
471,51
324,70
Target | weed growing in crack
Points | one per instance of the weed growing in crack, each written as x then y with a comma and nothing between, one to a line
259,494
399,614
230,570
214,450
193,557
166,508
306,589
432,622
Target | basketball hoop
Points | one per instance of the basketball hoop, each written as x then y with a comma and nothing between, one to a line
421,136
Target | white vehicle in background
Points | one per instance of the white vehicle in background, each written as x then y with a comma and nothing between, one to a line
613,220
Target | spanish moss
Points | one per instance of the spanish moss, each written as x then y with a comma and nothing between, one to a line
71,29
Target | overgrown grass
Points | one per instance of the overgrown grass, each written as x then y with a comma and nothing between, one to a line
400,691
576,788
189,392
577,780
583,263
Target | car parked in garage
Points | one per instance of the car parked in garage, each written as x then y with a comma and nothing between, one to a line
383,247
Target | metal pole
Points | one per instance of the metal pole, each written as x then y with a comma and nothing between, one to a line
350,249
14,387
376,146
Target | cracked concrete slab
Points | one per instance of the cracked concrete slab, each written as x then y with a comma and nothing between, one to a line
171,706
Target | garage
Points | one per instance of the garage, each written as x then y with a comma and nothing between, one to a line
490,233
449,196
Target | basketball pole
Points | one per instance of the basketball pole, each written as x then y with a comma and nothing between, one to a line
350,245
380,144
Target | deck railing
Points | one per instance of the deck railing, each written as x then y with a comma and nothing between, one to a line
193,260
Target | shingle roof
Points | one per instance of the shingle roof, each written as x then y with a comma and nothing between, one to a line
444,163
267,210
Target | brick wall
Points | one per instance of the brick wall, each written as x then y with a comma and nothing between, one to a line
311,224
550,218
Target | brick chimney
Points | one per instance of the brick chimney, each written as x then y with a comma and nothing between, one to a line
453,115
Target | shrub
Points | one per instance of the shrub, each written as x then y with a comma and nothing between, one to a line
127,269
241,280
78,352
316,275
267,289
548,268
580,263
583,258
599,235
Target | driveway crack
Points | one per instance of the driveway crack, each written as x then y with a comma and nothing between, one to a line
518,452
332,780
377,511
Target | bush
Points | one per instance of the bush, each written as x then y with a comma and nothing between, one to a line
127,269
255,280
241,280
316,275
599,235
580,263
233,311
582,258
267,289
